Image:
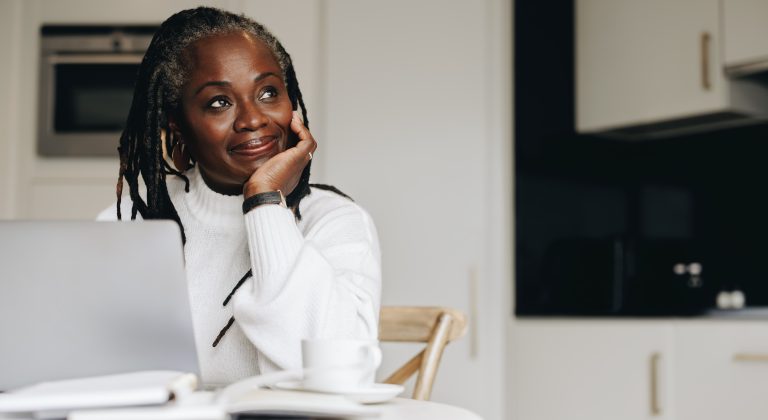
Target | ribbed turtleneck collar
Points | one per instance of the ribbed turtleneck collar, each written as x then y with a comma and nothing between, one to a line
208,206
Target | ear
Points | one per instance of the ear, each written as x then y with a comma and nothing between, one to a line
173,123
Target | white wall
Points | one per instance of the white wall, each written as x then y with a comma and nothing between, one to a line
418,134
10,13
411,106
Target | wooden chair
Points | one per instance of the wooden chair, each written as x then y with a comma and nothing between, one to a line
435,326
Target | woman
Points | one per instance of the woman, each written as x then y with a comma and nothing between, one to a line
270,261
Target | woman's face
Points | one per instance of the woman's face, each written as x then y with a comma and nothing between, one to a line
235,112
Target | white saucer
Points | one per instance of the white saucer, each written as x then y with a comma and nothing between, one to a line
376,393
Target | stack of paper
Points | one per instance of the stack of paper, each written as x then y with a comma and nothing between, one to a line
55,399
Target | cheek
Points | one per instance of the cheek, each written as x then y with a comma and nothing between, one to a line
285,123
215,130
282,117
284,114
212,133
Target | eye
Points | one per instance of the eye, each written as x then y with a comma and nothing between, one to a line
219,102
267,93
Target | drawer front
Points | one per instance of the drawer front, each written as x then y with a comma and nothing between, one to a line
721,370
592,370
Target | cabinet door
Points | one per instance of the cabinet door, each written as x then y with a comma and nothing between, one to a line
591,370
646,61
745,33
722,370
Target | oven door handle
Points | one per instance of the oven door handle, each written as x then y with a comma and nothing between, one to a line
94,58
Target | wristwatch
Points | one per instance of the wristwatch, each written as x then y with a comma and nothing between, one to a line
269,197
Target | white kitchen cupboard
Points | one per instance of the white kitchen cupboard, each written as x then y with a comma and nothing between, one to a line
643,61
654,68
595,370
673,369
744,35
721,371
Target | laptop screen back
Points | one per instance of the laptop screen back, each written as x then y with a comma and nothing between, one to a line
92,298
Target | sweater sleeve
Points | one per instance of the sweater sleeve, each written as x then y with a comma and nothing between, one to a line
323,281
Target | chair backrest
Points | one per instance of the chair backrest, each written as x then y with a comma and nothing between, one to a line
435,326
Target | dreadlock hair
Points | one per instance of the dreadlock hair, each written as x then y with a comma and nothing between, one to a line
161,76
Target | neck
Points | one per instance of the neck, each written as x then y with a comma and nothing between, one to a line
224,189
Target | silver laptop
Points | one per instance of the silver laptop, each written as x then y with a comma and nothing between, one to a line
92,298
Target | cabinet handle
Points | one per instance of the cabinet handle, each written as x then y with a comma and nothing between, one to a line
655,402
750,357
706,39
473,286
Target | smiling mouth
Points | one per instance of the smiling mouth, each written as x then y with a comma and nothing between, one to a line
255,147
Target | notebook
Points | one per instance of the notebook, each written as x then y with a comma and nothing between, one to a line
83,299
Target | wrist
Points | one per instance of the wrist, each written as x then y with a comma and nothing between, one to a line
251,189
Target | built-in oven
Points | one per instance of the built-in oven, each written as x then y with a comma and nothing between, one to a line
87,74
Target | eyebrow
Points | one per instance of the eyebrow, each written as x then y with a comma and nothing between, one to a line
257,79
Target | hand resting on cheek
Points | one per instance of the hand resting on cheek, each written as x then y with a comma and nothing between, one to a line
283,171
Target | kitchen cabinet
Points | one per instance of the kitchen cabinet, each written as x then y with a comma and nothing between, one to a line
744,35
653,68
591,370
721,370
642,61
681,369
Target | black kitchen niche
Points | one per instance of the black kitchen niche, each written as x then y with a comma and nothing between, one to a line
582,203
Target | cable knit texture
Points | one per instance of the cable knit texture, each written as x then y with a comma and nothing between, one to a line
317,278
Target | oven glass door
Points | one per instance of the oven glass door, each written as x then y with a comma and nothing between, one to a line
92,97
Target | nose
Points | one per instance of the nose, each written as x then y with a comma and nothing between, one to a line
249,117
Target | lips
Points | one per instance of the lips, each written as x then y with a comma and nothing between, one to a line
255,147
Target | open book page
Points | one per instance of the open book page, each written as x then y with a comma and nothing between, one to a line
203,406
129,389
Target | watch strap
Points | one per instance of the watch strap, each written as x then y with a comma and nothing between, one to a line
269,197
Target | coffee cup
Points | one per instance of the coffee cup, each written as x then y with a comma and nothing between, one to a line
332,365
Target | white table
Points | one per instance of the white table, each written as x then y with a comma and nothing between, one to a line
407,409
396,409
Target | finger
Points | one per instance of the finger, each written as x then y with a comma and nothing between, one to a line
307,143
299,128
306,149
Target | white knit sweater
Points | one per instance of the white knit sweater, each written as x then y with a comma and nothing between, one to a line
320,277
